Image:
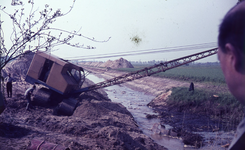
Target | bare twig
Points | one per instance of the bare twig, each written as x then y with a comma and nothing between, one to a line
35,31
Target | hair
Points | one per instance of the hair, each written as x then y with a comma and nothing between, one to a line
232,30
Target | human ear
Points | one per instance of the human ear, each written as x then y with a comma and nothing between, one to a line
233,56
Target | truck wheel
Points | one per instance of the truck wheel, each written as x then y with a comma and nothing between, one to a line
42,97
66,107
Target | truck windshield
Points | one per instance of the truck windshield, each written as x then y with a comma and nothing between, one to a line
75,74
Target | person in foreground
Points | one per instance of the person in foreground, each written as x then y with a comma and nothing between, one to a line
28,94
231,54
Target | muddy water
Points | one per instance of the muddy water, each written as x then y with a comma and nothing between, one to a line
136,103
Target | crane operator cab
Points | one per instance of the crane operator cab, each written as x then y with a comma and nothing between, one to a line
58,75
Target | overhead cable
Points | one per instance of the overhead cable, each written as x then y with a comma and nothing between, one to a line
147,51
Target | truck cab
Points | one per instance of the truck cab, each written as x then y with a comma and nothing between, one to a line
55,73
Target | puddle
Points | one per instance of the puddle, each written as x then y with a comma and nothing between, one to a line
136,103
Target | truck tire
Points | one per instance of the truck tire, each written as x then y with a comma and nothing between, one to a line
66,107
42,97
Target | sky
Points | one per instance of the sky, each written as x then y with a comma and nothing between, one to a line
158,24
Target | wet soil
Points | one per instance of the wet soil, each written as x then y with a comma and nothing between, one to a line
97,123
189,127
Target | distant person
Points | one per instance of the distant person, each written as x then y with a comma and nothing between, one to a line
191,88
231,54
28,94
9,81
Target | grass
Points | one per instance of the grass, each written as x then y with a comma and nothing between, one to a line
222,107
188,73
195,74
219,106
183,95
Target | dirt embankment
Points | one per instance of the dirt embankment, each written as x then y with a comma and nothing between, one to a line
119,63
184,123
97,123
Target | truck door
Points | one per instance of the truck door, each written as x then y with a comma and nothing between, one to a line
45,70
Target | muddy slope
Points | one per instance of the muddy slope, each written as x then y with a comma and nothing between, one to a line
97,123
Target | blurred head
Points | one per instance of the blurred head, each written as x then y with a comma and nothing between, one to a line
232,31
34,86
231,53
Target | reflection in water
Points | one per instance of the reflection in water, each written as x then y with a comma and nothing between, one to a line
136,103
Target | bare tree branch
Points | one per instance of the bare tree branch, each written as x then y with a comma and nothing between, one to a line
34,32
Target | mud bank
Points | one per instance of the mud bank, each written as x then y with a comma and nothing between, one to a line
136,103
193,129
97,123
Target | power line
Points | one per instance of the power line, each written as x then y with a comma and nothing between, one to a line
204,44
147,51
138,51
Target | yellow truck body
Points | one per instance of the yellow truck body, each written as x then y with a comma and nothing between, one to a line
57,74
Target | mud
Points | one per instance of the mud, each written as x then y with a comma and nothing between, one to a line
97,123
189,127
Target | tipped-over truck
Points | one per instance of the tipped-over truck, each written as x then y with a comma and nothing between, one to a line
62,80
59,78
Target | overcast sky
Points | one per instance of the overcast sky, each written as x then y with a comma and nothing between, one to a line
158,23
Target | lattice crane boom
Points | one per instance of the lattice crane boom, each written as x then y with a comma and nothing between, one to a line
148,71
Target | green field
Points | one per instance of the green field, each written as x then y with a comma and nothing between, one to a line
188,73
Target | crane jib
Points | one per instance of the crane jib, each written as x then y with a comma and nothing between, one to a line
148,71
